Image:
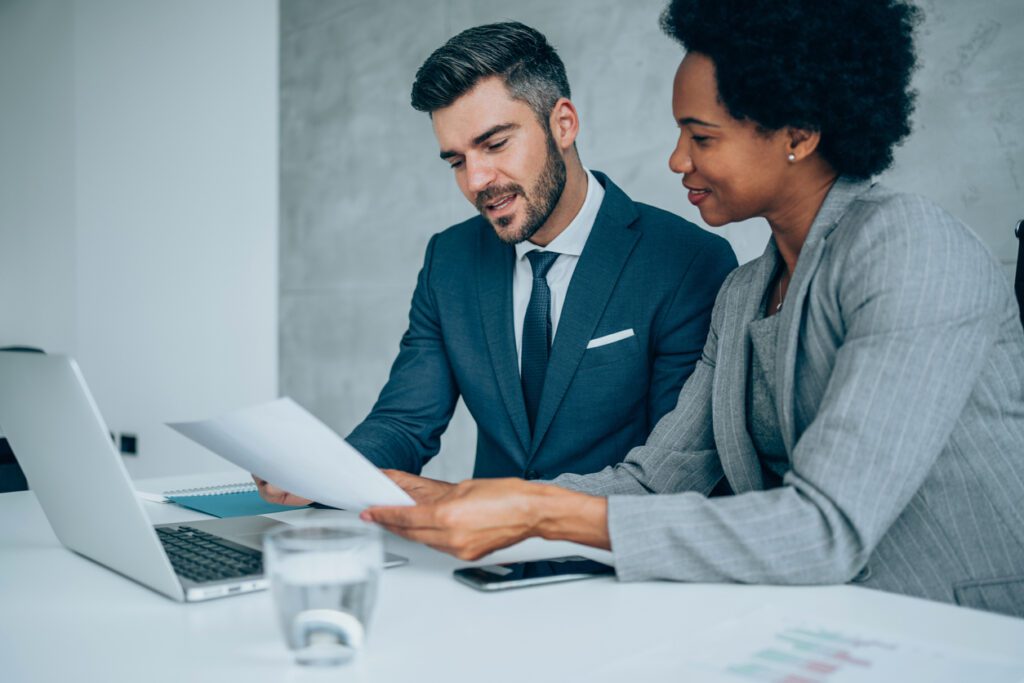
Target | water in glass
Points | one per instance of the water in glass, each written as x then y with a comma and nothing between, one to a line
324,581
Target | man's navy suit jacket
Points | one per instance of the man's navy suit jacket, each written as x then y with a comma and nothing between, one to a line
642,269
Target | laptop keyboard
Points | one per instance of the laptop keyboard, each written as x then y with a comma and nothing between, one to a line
203,557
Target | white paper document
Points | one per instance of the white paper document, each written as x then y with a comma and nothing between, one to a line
283,443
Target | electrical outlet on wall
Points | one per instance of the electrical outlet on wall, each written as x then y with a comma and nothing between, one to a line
129,444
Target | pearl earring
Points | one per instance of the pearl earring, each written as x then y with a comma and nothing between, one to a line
791,157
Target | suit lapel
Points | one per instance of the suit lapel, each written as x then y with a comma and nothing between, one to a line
494,284
838,200
597,272
729,399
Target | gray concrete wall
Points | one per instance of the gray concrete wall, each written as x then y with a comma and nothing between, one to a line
362,188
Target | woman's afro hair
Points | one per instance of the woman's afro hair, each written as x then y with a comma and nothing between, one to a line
840,67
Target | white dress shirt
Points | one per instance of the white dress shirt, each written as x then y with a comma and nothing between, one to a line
569,245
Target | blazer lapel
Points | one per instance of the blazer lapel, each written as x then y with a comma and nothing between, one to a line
494,284
732,365
838,200
597,272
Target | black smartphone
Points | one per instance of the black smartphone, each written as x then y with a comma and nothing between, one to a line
494,577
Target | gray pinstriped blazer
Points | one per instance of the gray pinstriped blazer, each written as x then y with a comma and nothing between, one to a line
900,393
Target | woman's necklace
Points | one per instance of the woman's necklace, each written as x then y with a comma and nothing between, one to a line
782,294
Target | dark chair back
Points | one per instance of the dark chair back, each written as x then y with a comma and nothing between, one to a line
1019,282
11,476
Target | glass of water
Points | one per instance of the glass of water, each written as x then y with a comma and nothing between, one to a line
324,581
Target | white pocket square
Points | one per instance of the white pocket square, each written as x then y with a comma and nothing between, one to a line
610,338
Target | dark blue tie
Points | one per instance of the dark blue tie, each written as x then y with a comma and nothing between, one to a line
537,333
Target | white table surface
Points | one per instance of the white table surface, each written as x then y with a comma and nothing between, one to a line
63,617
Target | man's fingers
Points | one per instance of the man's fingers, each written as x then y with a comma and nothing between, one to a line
273,494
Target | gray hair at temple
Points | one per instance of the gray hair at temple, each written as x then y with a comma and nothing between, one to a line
520,55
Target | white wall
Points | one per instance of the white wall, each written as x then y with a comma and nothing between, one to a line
157,201
37,203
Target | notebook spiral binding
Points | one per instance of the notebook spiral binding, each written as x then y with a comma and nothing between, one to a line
216,490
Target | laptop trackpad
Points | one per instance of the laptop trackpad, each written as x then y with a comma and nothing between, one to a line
247,531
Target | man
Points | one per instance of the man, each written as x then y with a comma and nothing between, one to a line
566,315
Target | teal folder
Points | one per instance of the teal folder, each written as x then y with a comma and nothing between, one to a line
232,504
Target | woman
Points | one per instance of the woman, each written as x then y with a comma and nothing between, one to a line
862,386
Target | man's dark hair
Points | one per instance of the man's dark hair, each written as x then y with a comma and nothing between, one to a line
840,67
522,56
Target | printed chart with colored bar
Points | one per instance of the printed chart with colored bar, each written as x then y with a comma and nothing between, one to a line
773,644
767,646
812,655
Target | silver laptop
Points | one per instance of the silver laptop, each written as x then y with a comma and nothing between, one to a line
62,443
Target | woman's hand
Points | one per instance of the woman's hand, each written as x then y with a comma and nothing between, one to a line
478,516
420,489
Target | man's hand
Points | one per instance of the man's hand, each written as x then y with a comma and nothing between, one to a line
420,489
272,494
479,516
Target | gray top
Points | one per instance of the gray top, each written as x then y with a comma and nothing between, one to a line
762,417
899,384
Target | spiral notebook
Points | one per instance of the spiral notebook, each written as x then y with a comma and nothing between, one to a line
226,500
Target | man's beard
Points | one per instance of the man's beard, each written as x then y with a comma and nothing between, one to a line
548,190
